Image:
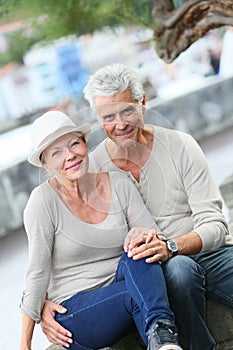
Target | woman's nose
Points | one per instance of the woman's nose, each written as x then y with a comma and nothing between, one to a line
69,154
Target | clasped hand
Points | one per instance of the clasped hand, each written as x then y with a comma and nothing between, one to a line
142,242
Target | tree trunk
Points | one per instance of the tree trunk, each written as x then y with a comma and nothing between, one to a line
176,30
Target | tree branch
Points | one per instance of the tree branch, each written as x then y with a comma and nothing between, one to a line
189,23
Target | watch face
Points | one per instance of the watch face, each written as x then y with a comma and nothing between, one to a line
172,246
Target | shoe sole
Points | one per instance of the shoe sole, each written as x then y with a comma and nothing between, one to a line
170,347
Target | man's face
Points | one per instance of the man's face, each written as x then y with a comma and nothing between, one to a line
121,117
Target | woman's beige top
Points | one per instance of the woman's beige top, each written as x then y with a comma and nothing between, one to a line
67,255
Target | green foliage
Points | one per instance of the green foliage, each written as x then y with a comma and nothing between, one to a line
134,12
54,19
179,3
59,18
18,44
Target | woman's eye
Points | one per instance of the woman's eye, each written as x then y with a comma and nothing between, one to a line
75,143
55,153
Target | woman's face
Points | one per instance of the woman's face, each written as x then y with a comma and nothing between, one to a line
67,157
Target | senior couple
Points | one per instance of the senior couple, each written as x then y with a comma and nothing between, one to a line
131,236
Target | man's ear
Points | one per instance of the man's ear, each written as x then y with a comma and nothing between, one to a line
144,104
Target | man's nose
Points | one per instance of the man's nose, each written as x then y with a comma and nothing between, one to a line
121,123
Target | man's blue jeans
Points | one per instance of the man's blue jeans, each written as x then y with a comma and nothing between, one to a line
190,281
100,317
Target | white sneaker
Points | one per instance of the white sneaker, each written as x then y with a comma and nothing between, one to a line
163,336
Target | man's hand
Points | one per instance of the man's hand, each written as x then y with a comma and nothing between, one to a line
138,234
52,329
144,243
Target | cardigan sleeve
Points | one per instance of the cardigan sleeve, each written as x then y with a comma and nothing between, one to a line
203,197
40,231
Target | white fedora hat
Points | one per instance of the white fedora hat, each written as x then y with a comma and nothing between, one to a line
48,128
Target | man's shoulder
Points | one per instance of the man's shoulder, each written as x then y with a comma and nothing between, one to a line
98,154
169,132
98,149
99,159
169,136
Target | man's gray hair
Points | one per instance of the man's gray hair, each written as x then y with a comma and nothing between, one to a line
111,79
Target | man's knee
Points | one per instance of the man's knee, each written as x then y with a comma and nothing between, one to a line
182,273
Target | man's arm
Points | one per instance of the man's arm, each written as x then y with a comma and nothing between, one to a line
156,249
203,197
52,329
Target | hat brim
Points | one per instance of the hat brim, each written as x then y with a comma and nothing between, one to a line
84,130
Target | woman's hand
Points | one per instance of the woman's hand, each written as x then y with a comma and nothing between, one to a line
146,243
52,329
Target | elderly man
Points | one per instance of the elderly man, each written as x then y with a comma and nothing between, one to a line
173,178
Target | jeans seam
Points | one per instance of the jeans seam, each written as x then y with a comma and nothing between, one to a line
134,283
84,347
223,296
88,307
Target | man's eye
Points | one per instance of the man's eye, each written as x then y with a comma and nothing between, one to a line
128,111
108,117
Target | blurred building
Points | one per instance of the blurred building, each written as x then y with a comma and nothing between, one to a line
56,73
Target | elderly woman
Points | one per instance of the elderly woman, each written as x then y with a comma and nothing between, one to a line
77,223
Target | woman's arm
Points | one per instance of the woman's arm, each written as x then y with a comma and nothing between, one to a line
40,231
28,325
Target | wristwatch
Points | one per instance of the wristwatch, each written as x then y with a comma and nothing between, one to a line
172,247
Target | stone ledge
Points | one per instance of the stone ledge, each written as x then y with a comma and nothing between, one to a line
219,319
220,322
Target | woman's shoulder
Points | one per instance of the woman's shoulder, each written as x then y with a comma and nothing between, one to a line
40,195
42,188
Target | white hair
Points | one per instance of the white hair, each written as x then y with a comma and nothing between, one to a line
111,79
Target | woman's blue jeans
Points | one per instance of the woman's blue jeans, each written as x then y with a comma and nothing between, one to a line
190,281
101,317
